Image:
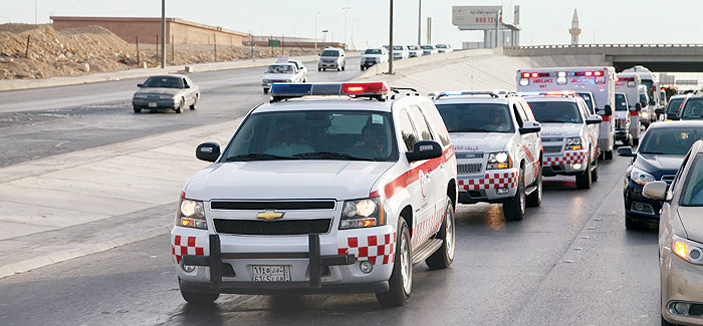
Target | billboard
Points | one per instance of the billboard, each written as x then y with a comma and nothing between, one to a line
483,17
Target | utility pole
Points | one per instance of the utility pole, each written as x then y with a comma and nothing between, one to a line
390,43
163,34
317,13
419,24
345,26
497,30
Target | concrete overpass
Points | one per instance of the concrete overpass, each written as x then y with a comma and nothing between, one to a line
656,57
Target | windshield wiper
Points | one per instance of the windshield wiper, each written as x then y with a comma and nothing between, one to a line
326,155
256,156
556,121
656,153
470,130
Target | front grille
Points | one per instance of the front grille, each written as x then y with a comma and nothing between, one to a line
550,140
469,155
469,168
552,149
290,227
277,205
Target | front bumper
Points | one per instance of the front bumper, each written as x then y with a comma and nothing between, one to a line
638,206
368,63
568,163
491,186
326,65
319,263
682,282
622,134
154,104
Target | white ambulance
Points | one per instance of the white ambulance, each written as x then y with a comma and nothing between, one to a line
629,84
653,89
600,81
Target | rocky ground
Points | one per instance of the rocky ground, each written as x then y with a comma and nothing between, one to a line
75,52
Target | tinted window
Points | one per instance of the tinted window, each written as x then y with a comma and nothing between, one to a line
589,101
428,47
330,53
397,47
421,123
643,100
670,141
476,117
674,105
167,82
373,51
692,194
620,102
693,109
441,46
407,130
436,120
313,135
280,69
553,111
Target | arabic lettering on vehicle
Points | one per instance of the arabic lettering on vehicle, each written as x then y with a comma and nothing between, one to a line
467,148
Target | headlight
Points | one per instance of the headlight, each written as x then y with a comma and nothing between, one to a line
191,214
573,144
687,250
266,81
499,160
645,114
362,213
166,96
640,177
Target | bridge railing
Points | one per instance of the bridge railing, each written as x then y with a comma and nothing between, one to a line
607,45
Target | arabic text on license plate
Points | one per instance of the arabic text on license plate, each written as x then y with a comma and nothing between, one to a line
152,104
269,273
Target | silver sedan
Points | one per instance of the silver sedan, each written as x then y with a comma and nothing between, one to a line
681,241
166,92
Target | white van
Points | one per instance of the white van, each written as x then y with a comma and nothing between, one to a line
631,85
331,58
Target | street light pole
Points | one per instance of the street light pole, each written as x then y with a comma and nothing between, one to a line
316,30
163,34
390,43
419,23
345,26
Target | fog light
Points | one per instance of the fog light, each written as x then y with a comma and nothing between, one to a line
503,191
639,206
681,308
576,166
188,268
366,267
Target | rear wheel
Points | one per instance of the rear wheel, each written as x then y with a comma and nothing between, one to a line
514,208
197,298
444,256
535,198
401,280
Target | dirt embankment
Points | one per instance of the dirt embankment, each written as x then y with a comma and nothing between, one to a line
76,52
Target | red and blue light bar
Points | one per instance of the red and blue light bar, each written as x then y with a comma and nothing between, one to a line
353,89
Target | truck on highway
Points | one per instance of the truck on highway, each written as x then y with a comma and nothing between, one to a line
600,81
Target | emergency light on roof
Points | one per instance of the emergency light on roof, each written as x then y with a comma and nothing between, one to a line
494,94
376,90
552,93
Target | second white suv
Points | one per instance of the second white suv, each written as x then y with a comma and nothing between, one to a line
332,58
373,56
498,149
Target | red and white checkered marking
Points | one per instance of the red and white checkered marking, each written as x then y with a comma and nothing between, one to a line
427,228
490,181
374,248
567,158
179,248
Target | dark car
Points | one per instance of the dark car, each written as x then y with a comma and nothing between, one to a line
658,158
692,108
675,104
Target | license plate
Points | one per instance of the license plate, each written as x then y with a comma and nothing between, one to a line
269,273
152,104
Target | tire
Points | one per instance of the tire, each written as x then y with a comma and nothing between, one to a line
137,110
319,69
630,224
198,298
362,68
179,108
666,323
195,104
344,67
514,208
444,256
585,179
401,280
594,172
635,141
608,154
535,198
266,90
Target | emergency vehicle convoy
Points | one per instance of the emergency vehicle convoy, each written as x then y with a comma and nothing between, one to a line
630,85
600,81
569,136
622,120
498,150
329,188
652,90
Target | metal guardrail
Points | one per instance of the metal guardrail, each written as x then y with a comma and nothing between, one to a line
607,45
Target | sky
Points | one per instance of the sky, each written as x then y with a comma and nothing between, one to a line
367,21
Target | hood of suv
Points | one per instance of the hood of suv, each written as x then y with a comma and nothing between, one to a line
551,129
480,141
286,179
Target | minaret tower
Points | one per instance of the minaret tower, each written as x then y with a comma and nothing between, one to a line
575,30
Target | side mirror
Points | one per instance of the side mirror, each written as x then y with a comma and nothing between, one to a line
593,119
608,110
140,85
626,151
659,111
423,150
208,152
187,86
652,102
530,127
655,190
638,107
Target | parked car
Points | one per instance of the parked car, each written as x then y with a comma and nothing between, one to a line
318,195
429,49
658,158
373,56
287,72
332,58
174,92
444,48
681,241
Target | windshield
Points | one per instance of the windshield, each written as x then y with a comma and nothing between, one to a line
674,105
692,194
373,51
397,47
554,111
428,47
693,109
336,135
643,99
441,46
589,101
650,86
280,69
330,53
670,141
476,117
166,82
620,102
412,47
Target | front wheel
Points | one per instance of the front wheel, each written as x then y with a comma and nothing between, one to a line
535,198
266,90
401,280
180,106
195,104
514,208
585,179
137,110
608,155
444,256
198,298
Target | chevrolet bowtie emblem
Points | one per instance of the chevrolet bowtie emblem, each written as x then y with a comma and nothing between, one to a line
269,215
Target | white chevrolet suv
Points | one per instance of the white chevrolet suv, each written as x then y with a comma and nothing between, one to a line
338,193
498,149
569,137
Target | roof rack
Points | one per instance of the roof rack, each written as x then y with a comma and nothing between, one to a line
403,91
493,94
374,90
